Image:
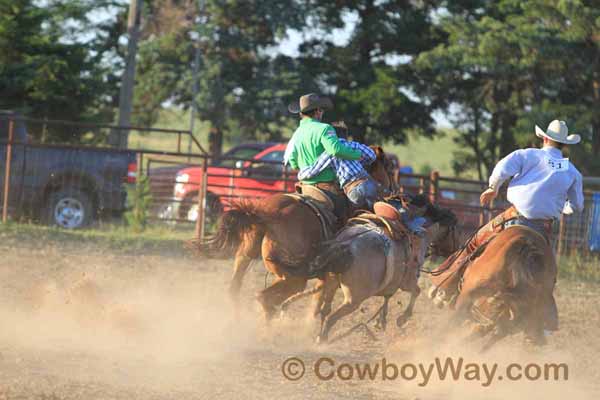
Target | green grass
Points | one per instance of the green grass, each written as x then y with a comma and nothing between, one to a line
425,154
578,267
421,153
111,238
170,118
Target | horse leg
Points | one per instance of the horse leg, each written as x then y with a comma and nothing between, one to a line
499,333
408,312
346,308
534,327
248,250
382,320
240,266
324,298
271,297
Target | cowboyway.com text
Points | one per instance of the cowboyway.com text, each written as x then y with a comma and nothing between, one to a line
456,369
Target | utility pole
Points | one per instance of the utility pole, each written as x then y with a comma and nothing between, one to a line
119,137
194,108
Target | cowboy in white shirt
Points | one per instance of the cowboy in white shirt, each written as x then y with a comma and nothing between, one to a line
544,184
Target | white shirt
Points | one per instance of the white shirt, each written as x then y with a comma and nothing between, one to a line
542,182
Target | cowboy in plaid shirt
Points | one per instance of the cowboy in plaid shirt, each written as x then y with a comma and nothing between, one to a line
360,188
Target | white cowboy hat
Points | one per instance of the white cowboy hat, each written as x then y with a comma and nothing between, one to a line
558,132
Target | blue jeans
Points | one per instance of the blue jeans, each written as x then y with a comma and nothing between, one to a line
364,195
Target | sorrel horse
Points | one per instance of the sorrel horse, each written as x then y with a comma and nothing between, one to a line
509,288
284,231
365,262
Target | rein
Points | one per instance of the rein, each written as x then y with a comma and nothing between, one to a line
454,255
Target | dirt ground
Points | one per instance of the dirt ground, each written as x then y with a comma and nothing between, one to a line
85,323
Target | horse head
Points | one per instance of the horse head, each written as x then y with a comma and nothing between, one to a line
443,233
382,171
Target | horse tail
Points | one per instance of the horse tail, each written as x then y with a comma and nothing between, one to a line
232,225
526,263
334,257
294,298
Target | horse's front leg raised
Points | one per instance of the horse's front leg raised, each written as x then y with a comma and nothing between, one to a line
271,297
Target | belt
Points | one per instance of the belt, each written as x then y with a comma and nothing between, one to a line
333,187
354,183
542,226
511,214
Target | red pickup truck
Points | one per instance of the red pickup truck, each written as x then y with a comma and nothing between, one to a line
232,178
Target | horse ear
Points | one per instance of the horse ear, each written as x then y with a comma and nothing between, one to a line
379,153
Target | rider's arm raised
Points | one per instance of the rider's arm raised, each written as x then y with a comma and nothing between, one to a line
509,166
333,147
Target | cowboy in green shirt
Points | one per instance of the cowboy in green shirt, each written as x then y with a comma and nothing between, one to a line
314,137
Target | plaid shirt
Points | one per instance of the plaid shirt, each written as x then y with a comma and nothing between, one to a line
347,171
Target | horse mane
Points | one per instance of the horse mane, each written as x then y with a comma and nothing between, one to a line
443,216
380,159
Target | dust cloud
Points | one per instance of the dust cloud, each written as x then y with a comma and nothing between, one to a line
89,324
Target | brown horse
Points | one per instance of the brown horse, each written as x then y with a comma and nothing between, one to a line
284,231
364,262
509,288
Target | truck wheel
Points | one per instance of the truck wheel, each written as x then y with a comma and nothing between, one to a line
213,209
69,208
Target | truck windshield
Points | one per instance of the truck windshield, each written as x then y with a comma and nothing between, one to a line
228,159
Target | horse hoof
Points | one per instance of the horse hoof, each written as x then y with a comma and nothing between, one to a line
431,293
320,340
401,321
438,302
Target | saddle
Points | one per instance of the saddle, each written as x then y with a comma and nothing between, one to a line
322,206
393,229
506,220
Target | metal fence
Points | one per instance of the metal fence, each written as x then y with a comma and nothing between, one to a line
188,188
576,233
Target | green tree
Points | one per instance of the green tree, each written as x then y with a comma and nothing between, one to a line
242,80
568,75
47,68
483,71
507,65
370,75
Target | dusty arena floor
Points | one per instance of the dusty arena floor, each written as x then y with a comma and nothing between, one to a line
81,322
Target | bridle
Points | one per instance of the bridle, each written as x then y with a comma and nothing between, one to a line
433,248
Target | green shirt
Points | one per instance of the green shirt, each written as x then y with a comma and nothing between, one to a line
310,140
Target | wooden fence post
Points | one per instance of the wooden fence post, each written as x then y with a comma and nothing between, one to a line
434,183
202,201
11,124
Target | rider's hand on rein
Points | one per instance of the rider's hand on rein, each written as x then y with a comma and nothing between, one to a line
487,196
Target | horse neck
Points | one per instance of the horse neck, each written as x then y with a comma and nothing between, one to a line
379,174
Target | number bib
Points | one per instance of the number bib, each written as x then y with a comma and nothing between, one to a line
558,164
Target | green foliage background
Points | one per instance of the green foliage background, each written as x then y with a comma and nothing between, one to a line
493,68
